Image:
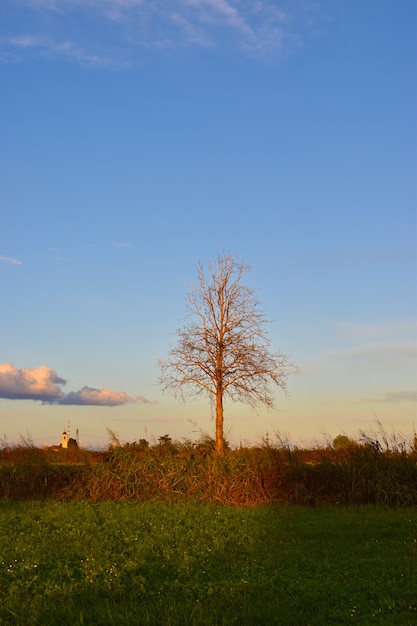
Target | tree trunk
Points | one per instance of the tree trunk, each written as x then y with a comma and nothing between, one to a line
219,447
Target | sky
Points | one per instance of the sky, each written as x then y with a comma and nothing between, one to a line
140,137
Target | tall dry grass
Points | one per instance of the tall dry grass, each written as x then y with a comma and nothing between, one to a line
348,472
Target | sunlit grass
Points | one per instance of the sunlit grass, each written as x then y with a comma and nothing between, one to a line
128,563
357,474
347,473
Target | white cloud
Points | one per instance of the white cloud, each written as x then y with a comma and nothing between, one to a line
120,244
220,11
44,385
380,355
105,32
371,331
193,33
48,47
97,397
142,399
395,396
10,260
406,351
40,383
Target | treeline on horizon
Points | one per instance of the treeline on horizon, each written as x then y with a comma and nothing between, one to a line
378,469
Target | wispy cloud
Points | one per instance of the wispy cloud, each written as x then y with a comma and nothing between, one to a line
395,396
143,400
44,385
120,244
371,331
10,260
104,32
97,397
17,48
380,355
378,345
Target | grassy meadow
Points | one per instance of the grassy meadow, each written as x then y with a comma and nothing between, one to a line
70,563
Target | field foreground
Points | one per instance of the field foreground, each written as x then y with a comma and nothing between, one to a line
158,563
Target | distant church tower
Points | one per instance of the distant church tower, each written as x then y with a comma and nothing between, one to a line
64,440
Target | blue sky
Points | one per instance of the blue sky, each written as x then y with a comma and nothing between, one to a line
138,138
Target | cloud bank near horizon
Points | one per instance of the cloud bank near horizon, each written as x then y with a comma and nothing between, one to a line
110,32
43,384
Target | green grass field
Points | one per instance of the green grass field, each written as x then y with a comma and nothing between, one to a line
154,563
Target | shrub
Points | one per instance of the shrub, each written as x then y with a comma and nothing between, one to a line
347,472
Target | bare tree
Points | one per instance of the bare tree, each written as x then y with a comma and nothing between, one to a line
223,349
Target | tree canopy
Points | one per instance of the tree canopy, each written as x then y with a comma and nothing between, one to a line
223,349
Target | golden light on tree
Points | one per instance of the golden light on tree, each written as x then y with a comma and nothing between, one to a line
223,349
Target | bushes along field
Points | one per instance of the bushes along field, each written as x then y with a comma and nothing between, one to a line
350,473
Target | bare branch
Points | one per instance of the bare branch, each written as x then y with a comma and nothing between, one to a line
223,351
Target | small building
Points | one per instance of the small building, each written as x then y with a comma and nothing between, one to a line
64,440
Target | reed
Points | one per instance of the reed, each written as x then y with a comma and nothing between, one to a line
348,472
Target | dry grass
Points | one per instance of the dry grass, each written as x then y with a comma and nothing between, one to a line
349,472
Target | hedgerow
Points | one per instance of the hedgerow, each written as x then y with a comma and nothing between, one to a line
353,473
